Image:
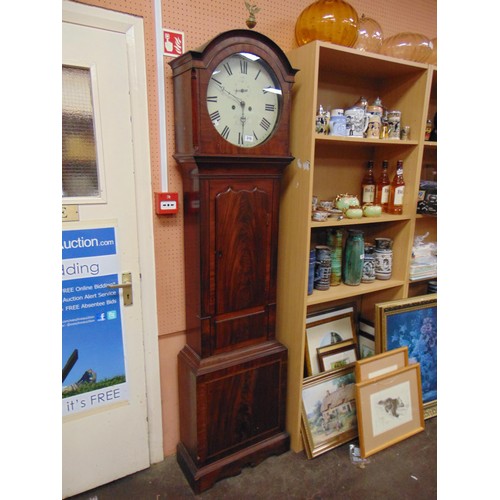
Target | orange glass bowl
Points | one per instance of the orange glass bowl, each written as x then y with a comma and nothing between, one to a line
409,46
333,21
370,36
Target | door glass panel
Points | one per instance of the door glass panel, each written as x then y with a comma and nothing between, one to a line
79,160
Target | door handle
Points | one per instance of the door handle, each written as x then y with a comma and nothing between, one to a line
126,286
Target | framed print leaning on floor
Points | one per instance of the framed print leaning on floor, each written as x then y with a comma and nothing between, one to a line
380,364
389,409
413,323
328,411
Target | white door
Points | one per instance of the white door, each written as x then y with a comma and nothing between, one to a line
110,395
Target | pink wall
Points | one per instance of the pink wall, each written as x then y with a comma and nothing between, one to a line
200,22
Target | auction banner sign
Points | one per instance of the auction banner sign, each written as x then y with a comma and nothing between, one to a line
93,358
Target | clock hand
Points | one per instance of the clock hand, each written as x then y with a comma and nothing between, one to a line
237,99
243,119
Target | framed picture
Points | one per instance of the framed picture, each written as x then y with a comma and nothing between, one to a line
329,411
326,329
413,323
389,409
381,364
366,327
336,356
366,338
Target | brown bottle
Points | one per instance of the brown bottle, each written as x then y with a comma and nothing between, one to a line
368,185
397,191
382,188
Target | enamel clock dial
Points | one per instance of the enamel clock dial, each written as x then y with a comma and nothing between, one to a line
244,100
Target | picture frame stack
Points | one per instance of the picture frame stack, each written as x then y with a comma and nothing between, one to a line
388,400
358,372
328,392
412,322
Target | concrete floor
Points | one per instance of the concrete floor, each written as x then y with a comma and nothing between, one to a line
406,470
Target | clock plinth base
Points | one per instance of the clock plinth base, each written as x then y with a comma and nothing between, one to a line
203,478
232,411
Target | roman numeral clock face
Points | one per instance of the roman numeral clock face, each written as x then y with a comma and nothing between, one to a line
243,100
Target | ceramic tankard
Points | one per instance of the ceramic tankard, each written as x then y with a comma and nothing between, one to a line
337,123
374,125
356,122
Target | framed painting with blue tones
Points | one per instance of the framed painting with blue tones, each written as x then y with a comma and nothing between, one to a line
412,322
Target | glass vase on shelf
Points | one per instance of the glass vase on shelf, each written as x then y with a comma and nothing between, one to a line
370,35
334,21
335,243
354,253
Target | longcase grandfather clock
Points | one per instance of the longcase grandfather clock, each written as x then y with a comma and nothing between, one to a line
232,111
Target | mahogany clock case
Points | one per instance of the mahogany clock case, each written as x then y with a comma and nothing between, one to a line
232,370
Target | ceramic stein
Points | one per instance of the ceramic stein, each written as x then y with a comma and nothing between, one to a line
383,258
374,125
323,268
356,122
337,123
322,119
394,124
368,275
312,268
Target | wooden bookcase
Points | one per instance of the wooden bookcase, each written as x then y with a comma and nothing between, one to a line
325,166
427,223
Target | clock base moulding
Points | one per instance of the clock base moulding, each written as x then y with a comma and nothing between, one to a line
232,412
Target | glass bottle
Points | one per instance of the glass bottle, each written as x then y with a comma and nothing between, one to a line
397,191
368,185
336,246
382,188
354,254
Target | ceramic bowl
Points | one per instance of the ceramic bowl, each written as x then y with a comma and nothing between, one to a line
320,215
372,210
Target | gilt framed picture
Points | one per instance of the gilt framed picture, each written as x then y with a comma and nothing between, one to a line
389,409
412,323
328,411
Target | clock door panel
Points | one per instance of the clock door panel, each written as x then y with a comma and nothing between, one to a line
242,246
242,249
